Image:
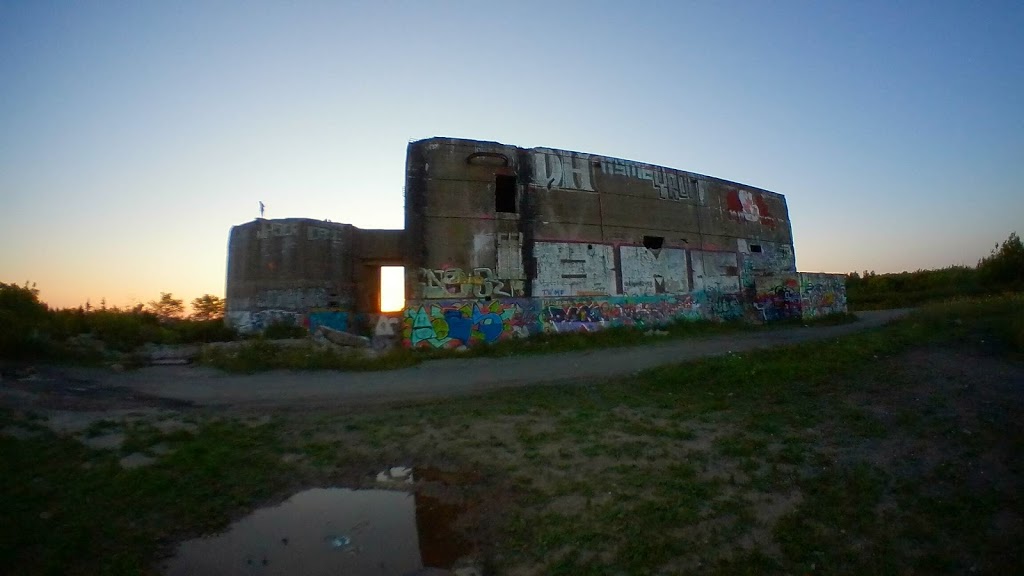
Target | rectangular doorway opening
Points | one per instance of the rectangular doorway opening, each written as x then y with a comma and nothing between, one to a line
392,288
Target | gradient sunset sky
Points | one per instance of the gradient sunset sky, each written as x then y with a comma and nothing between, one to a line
133,135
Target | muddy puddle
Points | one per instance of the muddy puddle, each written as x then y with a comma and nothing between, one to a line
332,531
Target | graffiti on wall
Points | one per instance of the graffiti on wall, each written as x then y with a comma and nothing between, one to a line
387,330
573,269
822,294
718,305
777,298
747,206
455,324
318,233
670,184
277,230
559,169
247,322
451,283
571,315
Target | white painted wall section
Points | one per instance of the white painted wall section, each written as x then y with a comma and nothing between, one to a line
574,269
647,272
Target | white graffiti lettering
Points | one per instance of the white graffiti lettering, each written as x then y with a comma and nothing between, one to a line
277,229
385,326
562,170
317,233
669,184
454,283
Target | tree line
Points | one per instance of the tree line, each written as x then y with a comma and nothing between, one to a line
1001,271
31,328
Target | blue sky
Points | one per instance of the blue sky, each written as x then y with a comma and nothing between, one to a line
134,135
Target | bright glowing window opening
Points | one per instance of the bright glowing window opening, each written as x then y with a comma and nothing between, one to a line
392,288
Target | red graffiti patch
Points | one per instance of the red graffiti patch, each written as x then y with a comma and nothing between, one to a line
747,206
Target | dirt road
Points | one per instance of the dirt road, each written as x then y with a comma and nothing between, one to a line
451,377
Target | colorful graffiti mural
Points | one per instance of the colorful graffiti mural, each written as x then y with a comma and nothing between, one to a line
564,315
822,294
455,324
777,298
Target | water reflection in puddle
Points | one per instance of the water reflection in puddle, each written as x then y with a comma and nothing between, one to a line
330,531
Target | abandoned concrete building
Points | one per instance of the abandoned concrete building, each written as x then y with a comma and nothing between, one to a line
503,242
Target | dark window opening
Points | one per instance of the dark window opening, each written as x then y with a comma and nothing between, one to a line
654,242
504,193
755,247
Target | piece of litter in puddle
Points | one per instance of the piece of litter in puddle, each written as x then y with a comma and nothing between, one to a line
339,541
396,474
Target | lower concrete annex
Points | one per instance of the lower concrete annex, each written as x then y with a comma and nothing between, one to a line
503,242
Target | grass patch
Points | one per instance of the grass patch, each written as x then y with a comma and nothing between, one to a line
811,458
71,510
260,355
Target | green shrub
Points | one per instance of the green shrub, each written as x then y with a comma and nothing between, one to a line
193,331
1004,267
22,316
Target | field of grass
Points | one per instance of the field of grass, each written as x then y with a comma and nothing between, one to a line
895,450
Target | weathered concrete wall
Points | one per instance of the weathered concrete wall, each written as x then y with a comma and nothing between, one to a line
281,270
551,240
306,272
503,242
822,294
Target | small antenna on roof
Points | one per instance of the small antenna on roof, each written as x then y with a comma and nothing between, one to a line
262,206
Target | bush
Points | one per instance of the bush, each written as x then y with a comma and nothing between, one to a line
194,331
1004,267
21,317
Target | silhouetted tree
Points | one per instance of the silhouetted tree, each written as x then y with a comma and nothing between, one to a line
167,307
21,317
1004,267
207,307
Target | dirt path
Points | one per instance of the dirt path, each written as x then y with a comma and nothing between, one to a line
452,377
